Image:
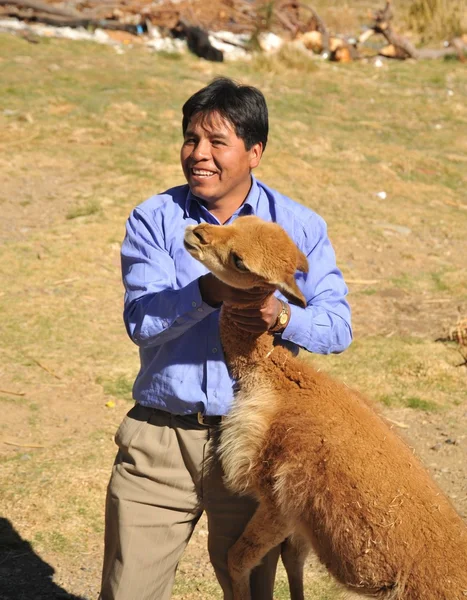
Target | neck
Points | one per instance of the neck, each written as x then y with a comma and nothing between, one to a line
223,208
243,350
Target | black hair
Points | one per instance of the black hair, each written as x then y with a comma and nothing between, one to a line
243,106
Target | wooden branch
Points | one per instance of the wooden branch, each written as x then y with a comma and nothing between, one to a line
366,35
321,27
39,364
226,41
41,7
58,17
385,15
407,48
401,47
286,22
21,445
57,21
12,393
456,47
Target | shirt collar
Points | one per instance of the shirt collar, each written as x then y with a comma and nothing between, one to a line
249,207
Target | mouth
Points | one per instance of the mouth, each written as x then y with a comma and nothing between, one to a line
189,240
189,247
202,174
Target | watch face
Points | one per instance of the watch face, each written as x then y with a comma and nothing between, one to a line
283,319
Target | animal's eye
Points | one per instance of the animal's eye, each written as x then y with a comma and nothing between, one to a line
238,262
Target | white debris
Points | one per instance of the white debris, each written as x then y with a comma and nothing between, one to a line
391,228
11,25
382,195
161,43
233,45
270,42
69,33
378,63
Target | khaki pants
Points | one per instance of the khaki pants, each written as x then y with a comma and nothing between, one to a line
159,487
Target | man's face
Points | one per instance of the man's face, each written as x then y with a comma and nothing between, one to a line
215,161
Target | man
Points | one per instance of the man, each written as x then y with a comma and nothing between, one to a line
160,484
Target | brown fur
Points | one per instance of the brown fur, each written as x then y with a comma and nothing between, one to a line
320,461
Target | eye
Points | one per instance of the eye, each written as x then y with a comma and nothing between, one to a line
238,262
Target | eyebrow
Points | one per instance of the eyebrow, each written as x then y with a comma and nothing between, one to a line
190,132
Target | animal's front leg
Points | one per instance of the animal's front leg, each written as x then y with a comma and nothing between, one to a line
265,530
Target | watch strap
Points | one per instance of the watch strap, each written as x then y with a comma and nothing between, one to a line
282,318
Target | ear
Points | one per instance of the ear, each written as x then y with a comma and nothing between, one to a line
256,152
291,291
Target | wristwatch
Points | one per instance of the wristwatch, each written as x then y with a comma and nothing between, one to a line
282,318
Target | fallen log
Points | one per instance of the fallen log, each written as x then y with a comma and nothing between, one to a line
57,21
41,7
400,47
316,21
36,11
339,49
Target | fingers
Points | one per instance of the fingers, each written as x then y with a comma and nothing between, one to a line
255,320
252,296
243,312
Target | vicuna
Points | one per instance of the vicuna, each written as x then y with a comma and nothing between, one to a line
324,467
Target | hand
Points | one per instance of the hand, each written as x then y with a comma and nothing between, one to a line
214,292
255,320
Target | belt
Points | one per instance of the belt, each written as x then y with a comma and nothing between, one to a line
206,420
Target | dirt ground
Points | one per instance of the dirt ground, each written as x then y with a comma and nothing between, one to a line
439,439
71,171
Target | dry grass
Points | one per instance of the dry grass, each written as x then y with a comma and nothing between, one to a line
437,19
430,21
87,134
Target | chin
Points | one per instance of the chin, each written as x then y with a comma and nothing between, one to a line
204,194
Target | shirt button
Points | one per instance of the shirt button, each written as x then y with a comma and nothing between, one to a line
214,350
193,304
200,310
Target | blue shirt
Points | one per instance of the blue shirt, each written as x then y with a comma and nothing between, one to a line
183,369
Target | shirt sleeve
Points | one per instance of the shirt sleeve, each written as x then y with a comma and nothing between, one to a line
156,309
324,325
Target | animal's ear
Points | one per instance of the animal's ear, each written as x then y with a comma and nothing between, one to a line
289,288
302,262
291,291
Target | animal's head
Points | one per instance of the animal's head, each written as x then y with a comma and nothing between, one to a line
249,253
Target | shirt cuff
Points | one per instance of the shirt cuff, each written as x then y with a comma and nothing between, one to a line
308,331
294,328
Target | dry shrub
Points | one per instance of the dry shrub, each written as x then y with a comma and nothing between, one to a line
437,19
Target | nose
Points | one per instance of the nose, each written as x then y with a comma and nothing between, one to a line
200,232
202,150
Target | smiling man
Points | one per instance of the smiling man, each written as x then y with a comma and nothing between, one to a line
162,480
216,163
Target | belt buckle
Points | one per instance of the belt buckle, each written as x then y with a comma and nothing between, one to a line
201,419
208,423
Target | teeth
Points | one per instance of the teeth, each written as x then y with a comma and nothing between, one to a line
202,173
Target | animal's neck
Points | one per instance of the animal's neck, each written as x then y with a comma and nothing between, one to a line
243,350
